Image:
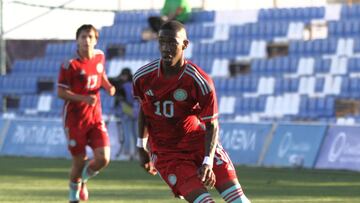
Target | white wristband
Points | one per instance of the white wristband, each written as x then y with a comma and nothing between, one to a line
141,142
208,161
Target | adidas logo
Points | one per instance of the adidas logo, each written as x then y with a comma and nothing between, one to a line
149,92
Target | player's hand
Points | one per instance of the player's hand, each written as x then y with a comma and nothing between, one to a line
145,162
111,91
207,175
90,99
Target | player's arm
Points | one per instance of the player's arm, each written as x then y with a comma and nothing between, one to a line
105,83
208,115
207,176
211,138
68,95
141,144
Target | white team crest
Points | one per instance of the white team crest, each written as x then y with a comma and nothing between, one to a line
72,143
99,68
82,72
180,95
172,179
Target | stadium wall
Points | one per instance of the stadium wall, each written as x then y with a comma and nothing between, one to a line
274,145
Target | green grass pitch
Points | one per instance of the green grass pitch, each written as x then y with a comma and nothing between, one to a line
35,180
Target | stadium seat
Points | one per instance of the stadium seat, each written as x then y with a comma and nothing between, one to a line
203,16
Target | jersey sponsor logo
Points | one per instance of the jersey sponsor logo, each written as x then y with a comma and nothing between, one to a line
172,179
99,67
180,95
149,92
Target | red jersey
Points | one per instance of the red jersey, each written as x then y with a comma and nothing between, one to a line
82,76
175,108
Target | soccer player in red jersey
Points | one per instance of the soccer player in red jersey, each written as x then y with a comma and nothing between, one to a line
79,83
178,117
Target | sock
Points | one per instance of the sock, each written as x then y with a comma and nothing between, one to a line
74,191
234,194
87,173
204,198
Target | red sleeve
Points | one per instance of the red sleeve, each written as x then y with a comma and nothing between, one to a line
136,90
64,79
208,102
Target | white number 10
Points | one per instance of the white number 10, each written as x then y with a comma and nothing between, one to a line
167,109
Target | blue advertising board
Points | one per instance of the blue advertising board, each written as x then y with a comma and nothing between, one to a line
244,142
295,145
341,149
35,138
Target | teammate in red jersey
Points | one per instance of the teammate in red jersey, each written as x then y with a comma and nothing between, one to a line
79,83
178,117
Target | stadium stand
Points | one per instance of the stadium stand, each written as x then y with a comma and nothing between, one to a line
302,85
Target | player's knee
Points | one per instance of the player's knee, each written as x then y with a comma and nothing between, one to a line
103,161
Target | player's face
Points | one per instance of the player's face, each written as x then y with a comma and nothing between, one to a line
172,45
86,40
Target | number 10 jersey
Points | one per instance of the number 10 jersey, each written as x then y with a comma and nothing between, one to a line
176,107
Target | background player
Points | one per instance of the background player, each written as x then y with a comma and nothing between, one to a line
178,116
80,80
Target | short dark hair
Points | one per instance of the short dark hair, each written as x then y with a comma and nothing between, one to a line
87,27
172,25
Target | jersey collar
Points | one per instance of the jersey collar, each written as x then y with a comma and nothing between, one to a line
180,74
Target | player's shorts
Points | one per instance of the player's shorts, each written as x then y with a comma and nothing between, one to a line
180,170
95,136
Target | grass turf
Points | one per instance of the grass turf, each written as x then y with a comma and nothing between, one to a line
35,180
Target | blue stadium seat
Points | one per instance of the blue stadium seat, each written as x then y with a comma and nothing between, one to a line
322,65
350,12
231,86
202,16
126,17
319,85
311,104
60,50
344,89
354,88
321,107
291,14
354,65
329,107
294,85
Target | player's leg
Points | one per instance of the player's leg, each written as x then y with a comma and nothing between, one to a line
231,191
182,178
227,183
100,143
78,162
76,145
199,196
101,160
